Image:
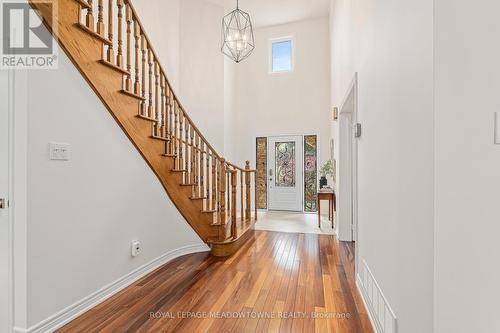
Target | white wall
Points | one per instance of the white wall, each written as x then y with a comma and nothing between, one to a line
467,163
83,214
390,44
202,68
287,103
161,19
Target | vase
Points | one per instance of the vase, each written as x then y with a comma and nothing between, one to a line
323,182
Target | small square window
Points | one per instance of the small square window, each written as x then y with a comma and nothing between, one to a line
281,55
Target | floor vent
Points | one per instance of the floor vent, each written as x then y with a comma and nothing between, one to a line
381,313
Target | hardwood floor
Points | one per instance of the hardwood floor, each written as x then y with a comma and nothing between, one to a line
277,282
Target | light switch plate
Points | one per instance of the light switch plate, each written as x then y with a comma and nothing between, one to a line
59,151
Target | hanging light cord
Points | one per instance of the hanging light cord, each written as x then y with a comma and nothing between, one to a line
237,4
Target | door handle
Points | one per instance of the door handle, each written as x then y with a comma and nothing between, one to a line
3,203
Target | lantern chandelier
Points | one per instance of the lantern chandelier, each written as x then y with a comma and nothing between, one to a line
237,35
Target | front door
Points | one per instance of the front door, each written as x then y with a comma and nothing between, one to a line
4,190
285,173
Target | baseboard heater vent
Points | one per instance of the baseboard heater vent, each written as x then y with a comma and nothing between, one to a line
381,313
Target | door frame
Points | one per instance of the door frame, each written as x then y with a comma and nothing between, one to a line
10,105
350,150
318,158
18,222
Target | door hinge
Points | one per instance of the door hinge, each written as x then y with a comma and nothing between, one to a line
4,203
357,130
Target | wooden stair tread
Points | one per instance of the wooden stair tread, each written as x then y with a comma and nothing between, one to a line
117,68
83,3
169,155
159,138
93,33
140,116
229,246
197,198
188,184
131,94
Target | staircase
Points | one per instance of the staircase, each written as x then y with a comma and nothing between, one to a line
107,42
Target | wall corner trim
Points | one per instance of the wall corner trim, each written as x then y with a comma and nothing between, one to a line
66,315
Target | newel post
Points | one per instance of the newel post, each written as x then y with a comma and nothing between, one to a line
234,175
255,195
222,191
247,190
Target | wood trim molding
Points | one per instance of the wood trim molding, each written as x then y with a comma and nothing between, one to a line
63,317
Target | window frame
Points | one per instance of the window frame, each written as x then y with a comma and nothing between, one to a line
290,38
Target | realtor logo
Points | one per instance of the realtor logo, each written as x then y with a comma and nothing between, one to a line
26,42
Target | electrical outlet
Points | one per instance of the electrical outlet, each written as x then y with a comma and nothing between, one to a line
59,151
136,248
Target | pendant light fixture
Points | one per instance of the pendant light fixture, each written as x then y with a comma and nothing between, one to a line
237,35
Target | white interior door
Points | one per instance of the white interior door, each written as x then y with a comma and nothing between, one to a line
285,160
4,212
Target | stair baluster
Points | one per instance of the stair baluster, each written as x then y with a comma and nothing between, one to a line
201,167
163,111
111,53
255,194
247,190
128,79
89,19
234,177
144,46
186,155
100,22
174,139
156,112
214,181
119,56
137,83
180,144
170,121
192,161
207,181
222,191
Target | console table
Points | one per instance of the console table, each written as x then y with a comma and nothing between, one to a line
332,205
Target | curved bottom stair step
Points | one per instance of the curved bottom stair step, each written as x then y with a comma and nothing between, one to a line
229,246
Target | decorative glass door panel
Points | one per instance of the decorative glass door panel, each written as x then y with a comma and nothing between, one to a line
285,173
285,164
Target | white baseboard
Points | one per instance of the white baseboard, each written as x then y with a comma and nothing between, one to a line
380,312
61,318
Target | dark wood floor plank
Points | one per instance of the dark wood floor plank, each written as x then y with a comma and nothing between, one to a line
272,274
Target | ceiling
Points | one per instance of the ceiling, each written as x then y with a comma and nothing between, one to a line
273,12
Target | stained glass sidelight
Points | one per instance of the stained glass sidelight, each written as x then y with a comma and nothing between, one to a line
261,153
310,173
285,164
